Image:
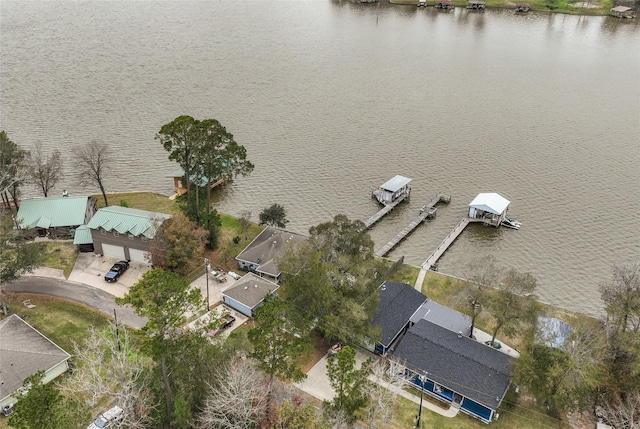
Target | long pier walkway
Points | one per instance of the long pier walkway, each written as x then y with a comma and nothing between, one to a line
429,210
444,245
383,211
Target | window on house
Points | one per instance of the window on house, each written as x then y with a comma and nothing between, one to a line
143,239
130,236
115,234
103,231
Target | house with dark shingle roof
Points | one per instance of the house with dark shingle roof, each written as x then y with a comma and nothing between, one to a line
455,368
25,351
56,216
399,307
248,293
259,256
123,232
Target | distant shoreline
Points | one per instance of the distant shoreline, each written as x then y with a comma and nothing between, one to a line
585,8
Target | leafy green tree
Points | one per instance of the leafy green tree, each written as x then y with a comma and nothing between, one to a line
13,170
17,256
513,305
206,152
279,339
164,298
349,383
45,170
275,215
566,378
335,277
178,245
44,405
93,162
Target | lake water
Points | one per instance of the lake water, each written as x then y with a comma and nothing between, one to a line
332,98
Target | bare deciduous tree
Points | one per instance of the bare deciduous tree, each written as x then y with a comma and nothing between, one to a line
387,380
624,413
621,298
244,220
481,275
107,367
45,170
93,161
238,401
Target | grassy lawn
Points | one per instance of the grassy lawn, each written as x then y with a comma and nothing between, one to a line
63,322
61,255
519,417
141,200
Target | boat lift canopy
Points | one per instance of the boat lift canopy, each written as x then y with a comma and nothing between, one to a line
395,184
490,202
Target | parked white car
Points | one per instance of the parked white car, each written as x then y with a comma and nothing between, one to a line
105,419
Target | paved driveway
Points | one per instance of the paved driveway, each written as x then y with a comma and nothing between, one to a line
77,292
90,270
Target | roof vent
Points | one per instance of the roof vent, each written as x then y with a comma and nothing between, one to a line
246,287
255,285
459,334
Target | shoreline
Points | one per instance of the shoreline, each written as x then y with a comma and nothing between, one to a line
601,10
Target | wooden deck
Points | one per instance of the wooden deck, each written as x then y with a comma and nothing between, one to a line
444,245
427,211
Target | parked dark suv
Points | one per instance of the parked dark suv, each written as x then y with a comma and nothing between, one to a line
116,271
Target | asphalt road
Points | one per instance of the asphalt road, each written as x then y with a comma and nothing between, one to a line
78,292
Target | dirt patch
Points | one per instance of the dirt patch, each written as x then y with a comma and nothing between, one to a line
320,347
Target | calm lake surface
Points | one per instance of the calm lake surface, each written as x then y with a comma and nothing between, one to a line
332,98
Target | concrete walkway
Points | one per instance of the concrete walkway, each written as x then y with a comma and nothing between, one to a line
317,385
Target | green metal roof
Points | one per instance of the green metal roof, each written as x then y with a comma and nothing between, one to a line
125,220
52,212
83,235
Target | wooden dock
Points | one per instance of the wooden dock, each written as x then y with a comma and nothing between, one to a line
427,211
382,212
444,245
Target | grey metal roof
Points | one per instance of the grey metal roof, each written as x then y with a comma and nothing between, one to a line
397,303
621,9
459,363
266,246
395,183
250,289
24,351
447,318
52,212
83,235
125,220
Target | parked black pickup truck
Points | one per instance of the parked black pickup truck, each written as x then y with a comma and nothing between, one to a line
116,271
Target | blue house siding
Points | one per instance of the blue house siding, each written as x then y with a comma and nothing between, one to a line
237,306
467,405
476,410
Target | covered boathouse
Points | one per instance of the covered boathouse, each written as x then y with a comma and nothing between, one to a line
455,369
393,190
488,208
622,12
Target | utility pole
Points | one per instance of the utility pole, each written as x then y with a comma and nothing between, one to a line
422,380
207,267
115,316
